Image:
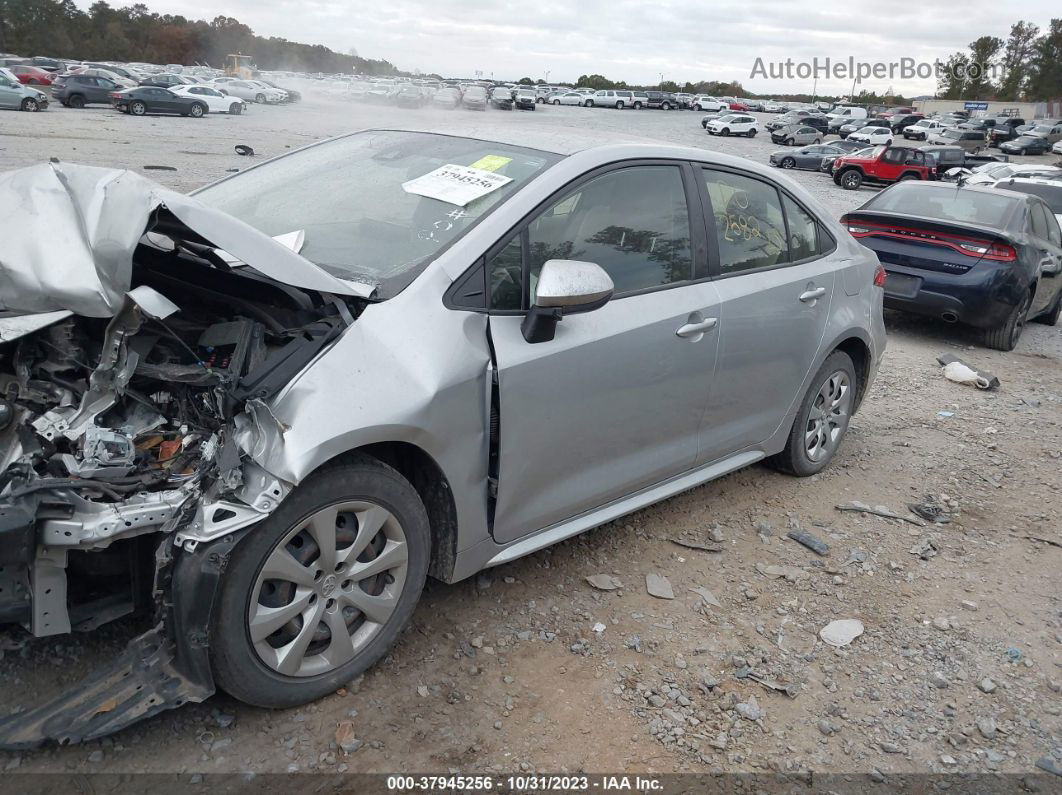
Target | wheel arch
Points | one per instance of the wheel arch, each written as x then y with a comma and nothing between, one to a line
859,352
433,487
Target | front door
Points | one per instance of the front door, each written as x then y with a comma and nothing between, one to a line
613,403
10,94
775,291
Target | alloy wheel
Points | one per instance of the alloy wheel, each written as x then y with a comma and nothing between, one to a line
328,588
828,416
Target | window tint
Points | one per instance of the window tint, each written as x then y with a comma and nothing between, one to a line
633,223
1039,221
748,221
505,271
803,231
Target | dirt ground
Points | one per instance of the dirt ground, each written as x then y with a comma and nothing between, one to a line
528,667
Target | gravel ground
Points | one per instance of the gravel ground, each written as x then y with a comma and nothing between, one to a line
529,667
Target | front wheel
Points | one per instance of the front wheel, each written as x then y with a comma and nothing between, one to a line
725,131
789,142
76,101
1005,336
30,104
751,133
556,102
788,162
197,110
236,108
588,104
260,99
851,180
637,105
697,107
1050,318
619,106
320,590
822,420
666,106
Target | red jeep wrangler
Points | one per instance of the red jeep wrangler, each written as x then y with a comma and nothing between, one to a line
883,166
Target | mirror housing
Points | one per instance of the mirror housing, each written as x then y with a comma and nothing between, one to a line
565,287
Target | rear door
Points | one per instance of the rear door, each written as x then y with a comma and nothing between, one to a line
613,403
1046,237
776,279
10,93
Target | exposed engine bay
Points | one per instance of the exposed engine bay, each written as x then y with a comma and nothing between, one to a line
128,429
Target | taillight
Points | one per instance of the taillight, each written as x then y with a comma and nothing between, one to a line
974,247
879,276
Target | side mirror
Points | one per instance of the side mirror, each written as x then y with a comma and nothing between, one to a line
565,287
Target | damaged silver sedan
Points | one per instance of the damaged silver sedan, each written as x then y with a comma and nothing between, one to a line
264,414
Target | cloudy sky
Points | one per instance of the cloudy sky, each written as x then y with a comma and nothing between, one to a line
633,41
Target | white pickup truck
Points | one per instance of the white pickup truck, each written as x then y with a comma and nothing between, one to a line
922,129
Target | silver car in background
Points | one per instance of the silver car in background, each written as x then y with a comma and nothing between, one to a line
389,356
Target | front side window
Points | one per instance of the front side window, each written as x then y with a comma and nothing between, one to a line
750,228
633,222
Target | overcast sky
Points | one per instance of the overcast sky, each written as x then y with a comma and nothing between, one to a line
632,41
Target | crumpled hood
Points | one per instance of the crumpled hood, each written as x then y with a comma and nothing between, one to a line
68,233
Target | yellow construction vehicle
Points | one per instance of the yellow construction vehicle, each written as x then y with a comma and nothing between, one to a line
241,66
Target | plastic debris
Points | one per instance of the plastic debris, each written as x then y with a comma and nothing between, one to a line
159,168
928,511
961,372
841,632
945,413
244,150
599,627
816,545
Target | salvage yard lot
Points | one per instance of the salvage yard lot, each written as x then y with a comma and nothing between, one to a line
507,672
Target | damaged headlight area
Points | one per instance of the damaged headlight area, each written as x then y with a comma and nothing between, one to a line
129,429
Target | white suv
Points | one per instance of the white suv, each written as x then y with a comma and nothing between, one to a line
705,102
611,99
733,124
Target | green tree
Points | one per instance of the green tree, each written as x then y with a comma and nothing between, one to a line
526,81
983,52
951,81
1045,78
1016,61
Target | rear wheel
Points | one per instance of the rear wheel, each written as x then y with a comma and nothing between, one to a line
1005,336
76,101
751,133
137,108
236,108
320,590
908,176
1023,152
822,420
30,104
1050,318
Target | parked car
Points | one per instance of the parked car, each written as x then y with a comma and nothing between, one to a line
1057,148
872,135
901,121
857,125
409,96
611,99
501,97
786,119
707,117
290,94
167,80
883,165
984,125
660,99
567,98
252,92
78,90
733,124
31,75
968,140
524,99
1005,129
976,255
16,96
639,99
754,105
737,104
922,129
216,102
1046,185
474,98
144,100
809,157
1026,145
1052,132
770,106
991,173
830,160
703,102
797,135
769,364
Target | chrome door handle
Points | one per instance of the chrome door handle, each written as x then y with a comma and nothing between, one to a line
696,329
812,295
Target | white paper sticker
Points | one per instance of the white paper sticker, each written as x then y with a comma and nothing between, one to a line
456,184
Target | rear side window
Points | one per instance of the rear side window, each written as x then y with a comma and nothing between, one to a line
749,224
803,231
1039,221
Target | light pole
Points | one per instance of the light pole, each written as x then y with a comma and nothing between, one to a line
547,75
815,90
661,80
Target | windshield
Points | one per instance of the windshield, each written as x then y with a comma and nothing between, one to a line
347,196
970,206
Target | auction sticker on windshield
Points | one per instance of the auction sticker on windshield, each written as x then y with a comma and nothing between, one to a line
456,184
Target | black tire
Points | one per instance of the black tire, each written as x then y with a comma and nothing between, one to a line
665,105
556,102
137,108
259,98
75,101
817,141
794,458
1023,152
704,125
236,108
788,162
725,131
1050,317
908,176
588,104
197,110
238,669
751,133
619,105
850,179
697,107
637,106
33,82
1005,336
790,142
30,105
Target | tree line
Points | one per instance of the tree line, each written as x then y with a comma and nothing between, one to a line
1027,66
58,28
